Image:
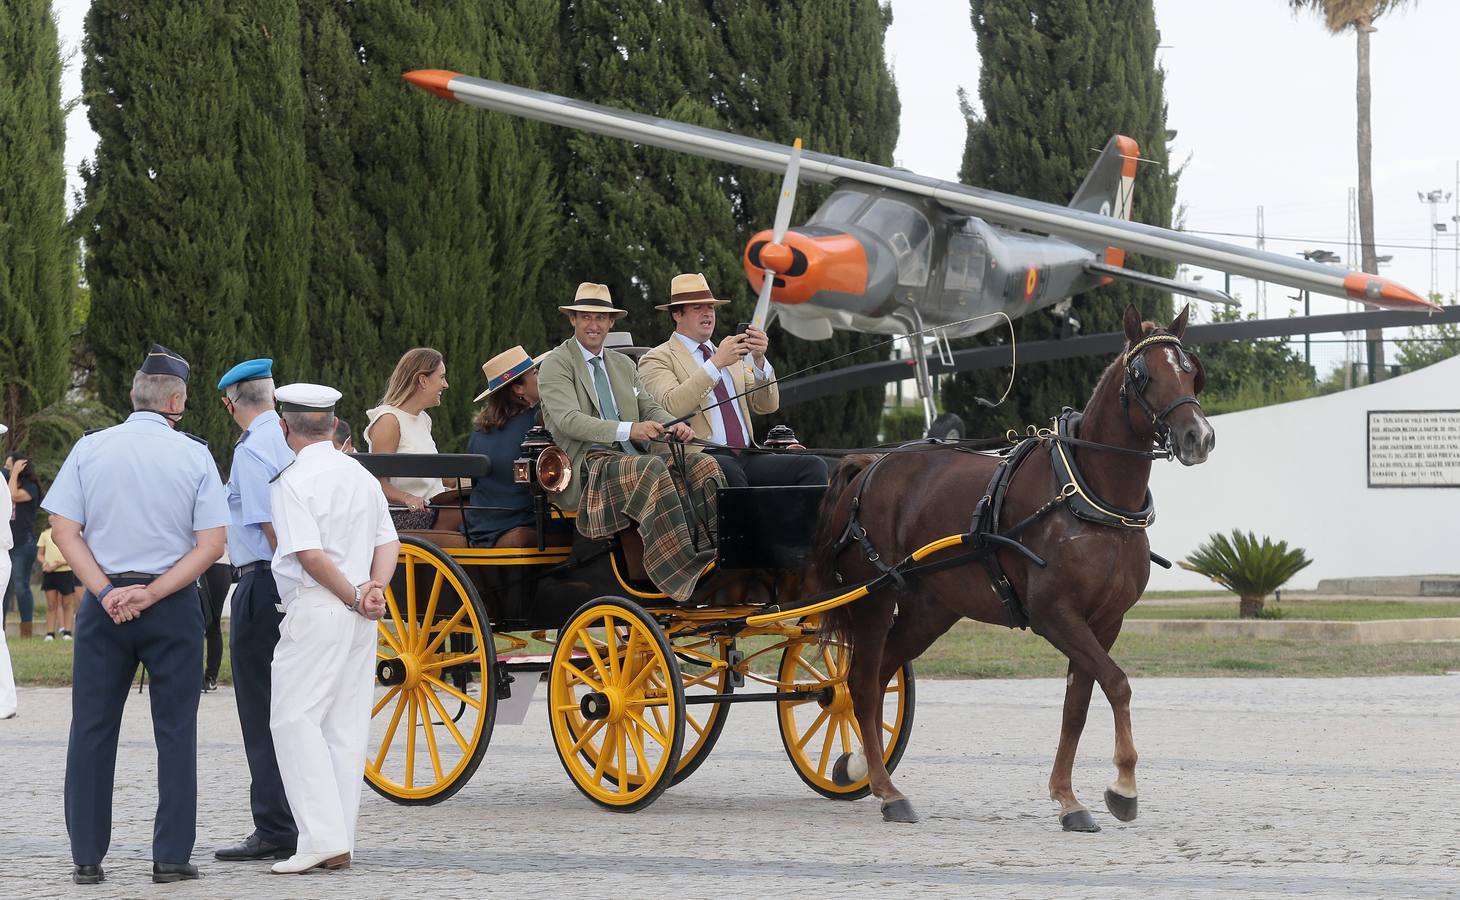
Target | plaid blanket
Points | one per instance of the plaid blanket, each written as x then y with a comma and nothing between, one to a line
621,491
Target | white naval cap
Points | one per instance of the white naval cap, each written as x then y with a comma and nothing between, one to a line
3,429
304,397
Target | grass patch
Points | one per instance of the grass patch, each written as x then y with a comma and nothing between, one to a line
1331,610
40,663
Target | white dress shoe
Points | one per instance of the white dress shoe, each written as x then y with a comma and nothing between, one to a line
300,863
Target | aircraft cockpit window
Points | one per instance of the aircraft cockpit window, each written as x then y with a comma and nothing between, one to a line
965,263
908,233
839,207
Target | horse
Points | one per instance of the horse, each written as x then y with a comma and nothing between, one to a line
1143,407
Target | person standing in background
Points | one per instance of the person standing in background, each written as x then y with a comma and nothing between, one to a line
139,512
25,494
61,588
7,676
259,456
336,551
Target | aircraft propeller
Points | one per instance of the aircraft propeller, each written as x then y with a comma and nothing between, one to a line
777,257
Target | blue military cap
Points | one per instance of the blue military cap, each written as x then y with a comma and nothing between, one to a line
162,361
248,370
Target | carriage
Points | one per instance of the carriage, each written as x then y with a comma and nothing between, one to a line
639,688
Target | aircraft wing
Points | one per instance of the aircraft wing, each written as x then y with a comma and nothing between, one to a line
1004,209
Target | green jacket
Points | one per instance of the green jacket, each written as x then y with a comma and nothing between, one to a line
570,406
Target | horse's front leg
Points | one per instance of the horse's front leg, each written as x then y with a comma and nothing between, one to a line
1074,816
865,684
1120,796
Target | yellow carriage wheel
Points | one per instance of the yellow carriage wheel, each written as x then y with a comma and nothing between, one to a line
816,732
616,704
435,688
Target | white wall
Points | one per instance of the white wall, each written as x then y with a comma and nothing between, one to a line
1298,472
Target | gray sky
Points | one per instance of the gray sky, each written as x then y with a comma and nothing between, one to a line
1264,107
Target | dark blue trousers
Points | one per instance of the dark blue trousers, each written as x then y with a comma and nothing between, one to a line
168,639
255,621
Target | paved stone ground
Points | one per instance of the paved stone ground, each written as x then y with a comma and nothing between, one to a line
1249,788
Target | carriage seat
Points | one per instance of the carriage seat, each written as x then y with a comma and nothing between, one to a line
441,537
448,532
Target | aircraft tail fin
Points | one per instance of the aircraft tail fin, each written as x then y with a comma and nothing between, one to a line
1109,187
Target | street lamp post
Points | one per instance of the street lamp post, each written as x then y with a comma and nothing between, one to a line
1321,256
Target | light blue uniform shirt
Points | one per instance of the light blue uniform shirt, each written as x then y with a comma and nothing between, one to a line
140,490
261,454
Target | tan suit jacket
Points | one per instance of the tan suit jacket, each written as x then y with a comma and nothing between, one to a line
570,406
675,377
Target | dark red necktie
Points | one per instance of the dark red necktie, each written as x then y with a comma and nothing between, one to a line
734,430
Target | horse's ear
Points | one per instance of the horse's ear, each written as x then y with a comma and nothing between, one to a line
1132,324
1178,324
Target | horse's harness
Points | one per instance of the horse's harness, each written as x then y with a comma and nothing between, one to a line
983,538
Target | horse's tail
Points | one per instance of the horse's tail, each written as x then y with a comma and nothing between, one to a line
835,623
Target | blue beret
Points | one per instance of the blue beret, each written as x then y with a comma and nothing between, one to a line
248,370
162,361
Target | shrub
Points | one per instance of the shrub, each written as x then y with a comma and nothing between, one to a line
1247,567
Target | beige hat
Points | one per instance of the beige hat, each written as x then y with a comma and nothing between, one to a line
690,288
592,298
502,369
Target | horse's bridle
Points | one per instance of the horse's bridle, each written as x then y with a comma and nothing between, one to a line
1138,377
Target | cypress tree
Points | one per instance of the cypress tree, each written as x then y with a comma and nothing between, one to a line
1057,78
165,247
37,255
275,183
814,69
638,216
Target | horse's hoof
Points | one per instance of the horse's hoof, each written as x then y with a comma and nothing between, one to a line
899,811
1123,808
839,775
1079,820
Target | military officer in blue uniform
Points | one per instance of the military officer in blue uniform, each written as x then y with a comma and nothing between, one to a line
260,455
153,511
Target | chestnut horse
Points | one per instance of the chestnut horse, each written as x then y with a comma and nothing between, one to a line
1094,573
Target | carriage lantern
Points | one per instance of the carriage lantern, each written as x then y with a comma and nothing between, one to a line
542,462
780,437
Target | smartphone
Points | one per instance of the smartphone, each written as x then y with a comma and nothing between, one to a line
742,327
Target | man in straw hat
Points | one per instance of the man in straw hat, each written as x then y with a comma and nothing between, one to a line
336,552
592,398
139,512
689,375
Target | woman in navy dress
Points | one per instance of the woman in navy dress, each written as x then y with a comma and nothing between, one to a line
500,513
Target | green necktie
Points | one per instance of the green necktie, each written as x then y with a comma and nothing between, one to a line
606,407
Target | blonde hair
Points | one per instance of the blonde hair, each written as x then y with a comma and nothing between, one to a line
413,364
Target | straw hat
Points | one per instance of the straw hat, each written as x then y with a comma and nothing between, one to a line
592,298
690,288
506,366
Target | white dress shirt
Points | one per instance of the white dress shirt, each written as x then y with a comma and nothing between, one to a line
713,412
622,434
327,501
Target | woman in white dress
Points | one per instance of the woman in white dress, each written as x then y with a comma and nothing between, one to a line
400,424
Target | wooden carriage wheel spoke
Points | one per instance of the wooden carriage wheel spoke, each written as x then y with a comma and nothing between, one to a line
431,742
692,722
575,672
464,698
659,717
445,720
380,704
411,740
400,629
889,727
815,725
592,650
606,750
390,730
411,600
815,673
431,607
826,752
846,731
651,667
647,701
623,760
634,637
445,630
610,642
444,661
648,729
639,754
587,736
390,640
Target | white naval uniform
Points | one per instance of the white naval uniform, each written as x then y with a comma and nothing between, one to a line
324,664
7,676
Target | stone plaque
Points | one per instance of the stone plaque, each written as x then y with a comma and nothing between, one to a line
1414,448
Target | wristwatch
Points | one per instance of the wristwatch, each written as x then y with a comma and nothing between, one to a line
355,604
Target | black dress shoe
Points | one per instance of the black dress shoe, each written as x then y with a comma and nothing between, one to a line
88,875
253,847
165,873
210,683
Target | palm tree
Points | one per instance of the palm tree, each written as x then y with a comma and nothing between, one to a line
1247,567
1340,15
